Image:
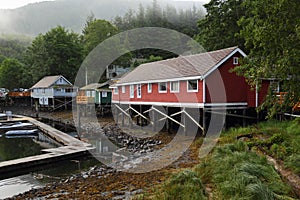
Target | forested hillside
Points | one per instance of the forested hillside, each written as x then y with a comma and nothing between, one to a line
40,17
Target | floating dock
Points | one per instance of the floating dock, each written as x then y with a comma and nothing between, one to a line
71,148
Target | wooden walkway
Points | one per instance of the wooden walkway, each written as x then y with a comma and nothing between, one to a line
71,148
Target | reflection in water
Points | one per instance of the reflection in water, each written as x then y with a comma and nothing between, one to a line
20,146
38,178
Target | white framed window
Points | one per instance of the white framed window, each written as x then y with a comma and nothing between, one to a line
123,89
139,91
174,86
162,87
88,93
116,90
149,87
131,89
235,60
275,86
192,86
104,94
93,93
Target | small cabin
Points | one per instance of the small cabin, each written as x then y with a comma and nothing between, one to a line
53,92
96,93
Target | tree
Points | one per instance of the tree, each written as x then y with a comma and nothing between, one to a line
271,30
56,52
95,32
220,27
11,74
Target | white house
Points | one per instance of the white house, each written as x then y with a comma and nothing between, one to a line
53,91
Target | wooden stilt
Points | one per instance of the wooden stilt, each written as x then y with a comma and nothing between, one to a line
140,118
153,120
184,121
244,117
167,120
79,120
117,116
204,121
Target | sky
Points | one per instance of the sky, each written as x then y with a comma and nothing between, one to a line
10,4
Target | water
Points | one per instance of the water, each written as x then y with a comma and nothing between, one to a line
12,186
40,177
16,147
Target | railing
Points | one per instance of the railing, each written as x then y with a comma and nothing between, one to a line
281,97
19,94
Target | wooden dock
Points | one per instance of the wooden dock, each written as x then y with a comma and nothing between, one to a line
71,148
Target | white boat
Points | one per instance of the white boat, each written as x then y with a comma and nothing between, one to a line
21,132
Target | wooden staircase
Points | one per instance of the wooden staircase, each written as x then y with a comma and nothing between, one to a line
281,97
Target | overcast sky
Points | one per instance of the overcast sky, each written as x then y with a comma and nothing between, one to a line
18,3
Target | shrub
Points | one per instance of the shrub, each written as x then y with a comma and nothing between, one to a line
185,185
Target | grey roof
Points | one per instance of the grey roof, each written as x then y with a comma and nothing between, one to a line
91,86
94,86
182,66
48,81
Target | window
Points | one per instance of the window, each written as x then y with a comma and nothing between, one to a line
69,90
58,90
93,93
275,86
162,87
88,93
149,87
139,91
235,60
174,86
123,89
131,91
104,94
116,90
192,86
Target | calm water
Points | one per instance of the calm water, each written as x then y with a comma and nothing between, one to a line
20,147
39,178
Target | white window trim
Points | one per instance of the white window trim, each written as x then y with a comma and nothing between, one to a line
149,87
174,91
139,91
131,91
187,86
162,91
123,89
235,60
116,90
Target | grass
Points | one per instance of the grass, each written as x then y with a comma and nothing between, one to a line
233,171
237,173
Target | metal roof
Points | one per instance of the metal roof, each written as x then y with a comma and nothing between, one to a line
48,81
182,67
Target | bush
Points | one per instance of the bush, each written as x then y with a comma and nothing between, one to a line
241,174
185,185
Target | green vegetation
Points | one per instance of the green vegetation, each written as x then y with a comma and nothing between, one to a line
235,171
280,140
184,185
